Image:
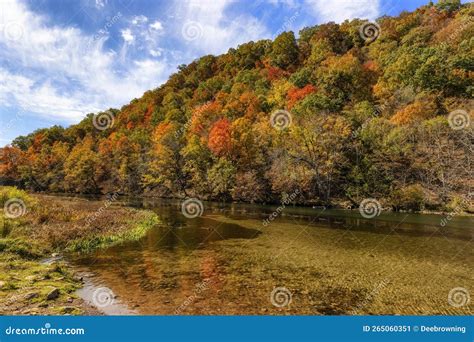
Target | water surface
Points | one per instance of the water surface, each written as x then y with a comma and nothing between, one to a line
329,262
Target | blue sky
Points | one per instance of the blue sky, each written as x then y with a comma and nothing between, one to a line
60,60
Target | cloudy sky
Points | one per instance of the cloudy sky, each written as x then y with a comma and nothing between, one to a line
62,59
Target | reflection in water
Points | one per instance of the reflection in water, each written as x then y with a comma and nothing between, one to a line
333,262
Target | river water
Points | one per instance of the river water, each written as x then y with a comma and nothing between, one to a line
306,261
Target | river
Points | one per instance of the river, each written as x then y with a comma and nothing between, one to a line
306,261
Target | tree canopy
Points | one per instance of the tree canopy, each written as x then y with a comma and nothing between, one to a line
363,119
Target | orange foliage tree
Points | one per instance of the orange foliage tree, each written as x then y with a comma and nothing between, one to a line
220,138
297,94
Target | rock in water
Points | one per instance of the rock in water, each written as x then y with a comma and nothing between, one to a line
53,294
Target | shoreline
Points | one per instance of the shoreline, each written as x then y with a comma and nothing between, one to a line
35,275
334,206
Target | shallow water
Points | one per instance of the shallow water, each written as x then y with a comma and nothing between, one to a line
319,261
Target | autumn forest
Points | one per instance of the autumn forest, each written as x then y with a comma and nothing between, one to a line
327,116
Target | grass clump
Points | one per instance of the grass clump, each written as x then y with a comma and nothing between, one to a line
20,247
140,228
11,192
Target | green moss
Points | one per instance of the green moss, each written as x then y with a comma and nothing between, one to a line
21,248
138,231
26,284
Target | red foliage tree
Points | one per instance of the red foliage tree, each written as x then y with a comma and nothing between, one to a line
220,138
274,72
297,94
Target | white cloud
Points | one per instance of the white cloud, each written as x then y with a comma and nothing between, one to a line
340,10
17,90
155,53
127,35
61,72
142,38
99,4
207,28
156,25
288,3
139,19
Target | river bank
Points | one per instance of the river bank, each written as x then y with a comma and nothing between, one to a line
229,261
37,229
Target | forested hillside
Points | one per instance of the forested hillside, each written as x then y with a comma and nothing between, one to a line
336,115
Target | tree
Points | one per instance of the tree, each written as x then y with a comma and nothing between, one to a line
166,165
297,94
82,168
367,120
11,159
425,108
284,50
120,161
220,142
448,5
248,187
221,179
312,157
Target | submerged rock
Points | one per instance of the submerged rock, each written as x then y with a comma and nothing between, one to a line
53,294
31,295
68,309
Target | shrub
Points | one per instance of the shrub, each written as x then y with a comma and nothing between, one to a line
9,192
459,204
21,203
410,197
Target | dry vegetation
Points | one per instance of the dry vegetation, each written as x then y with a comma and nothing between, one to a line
29,283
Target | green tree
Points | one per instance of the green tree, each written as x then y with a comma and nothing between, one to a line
284,50
221,179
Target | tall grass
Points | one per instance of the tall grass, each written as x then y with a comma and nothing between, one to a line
139,230
10,192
